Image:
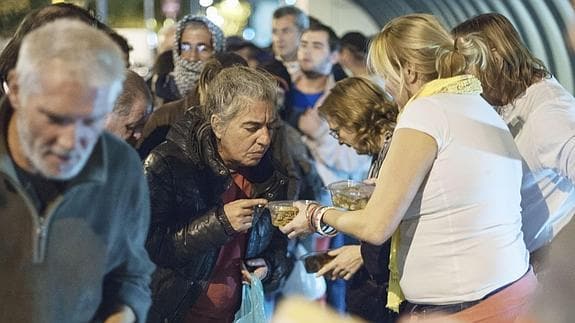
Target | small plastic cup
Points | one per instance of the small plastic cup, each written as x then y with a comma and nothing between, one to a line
350,195
282,212
314,261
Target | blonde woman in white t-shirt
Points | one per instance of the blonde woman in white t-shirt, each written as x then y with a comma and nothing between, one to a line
450,184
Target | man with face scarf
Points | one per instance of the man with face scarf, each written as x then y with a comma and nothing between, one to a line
197,40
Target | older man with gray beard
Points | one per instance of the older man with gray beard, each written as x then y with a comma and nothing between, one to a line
74,205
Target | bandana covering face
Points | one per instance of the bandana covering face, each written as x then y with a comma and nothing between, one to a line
187,73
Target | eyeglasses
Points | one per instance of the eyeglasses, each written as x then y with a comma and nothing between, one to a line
334,133
199,48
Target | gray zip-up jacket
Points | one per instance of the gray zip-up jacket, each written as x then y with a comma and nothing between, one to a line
85,253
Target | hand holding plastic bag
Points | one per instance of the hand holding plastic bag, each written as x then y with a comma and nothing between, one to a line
252,308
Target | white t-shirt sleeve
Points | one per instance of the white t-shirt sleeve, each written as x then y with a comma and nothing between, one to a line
426,116
552,131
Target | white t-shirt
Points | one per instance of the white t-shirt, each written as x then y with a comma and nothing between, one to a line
543,124
461,237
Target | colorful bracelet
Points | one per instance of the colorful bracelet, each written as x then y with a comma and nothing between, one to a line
310,208
315,218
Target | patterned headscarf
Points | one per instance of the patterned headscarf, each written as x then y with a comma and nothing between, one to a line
187,73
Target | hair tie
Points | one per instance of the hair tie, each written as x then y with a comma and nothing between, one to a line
455,44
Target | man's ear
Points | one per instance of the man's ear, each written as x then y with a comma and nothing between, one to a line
343,56
13,89
216,124
334,57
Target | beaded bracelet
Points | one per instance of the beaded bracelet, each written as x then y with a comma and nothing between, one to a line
310,209
315,218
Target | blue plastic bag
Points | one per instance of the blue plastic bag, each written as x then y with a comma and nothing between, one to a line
252,308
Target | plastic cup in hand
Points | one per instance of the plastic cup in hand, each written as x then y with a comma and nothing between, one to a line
282,212
350,195
313,261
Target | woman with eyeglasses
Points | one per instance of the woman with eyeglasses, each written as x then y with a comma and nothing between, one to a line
361,115
197,40
448,190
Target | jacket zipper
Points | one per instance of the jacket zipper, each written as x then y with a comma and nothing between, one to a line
39,238
41,224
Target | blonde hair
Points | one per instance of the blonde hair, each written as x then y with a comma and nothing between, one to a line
419,42
363,108
511,68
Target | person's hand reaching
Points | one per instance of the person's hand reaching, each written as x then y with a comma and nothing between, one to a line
346,263
240,213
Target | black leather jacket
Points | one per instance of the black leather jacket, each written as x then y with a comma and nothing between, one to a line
187,178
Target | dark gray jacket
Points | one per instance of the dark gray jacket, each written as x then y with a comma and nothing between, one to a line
85,254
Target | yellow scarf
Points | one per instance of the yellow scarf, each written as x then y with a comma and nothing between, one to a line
462,84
